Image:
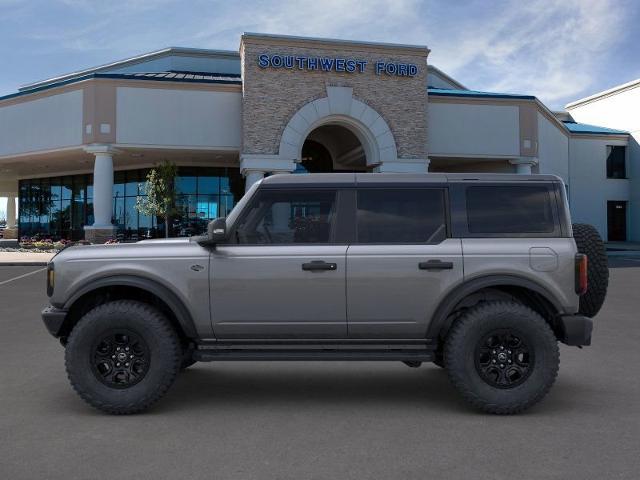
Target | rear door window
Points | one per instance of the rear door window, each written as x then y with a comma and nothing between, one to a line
497,209
388,215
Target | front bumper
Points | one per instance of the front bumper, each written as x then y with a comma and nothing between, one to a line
53,319
575,330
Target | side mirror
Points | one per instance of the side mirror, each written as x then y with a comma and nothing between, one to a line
217,230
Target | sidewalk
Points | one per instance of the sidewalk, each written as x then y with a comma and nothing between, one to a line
24,258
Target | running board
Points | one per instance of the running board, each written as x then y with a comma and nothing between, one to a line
402,355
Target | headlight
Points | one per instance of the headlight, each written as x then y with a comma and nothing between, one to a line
51,278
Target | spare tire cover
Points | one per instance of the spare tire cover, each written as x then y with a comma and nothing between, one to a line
590,243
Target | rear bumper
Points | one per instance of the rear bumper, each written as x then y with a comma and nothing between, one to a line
575,330
53,319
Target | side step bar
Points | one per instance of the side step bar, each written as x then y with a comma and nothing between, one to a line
408,355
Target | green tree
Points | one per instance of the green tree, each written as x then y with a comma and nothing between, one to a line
160,193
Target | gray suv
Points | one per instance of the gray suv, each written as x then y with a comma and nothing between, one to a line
480,274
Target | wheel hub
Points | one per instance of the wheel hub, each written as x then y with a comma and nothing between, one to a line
120,358
503,358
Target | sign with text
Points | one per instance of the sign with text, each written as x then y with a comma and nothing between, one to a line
335,64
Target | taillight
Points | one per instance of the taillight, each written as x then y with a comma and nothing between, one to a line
51,278
581,274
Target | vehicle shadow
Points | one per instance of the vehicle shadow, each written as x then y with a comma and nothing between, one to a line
254,385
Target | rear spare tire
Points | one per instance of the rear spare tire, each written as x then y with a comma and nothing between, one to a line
590,243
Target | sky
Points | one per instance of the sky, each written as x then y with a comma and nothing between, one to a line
557,50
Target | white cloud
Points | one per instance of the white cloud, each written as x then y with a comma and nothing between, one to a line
549,48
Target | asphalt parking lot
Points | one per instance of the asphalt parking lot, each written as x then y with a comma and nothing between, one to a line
329,420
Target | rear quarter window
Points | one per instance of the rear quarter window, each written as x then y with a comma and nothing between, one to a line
496,209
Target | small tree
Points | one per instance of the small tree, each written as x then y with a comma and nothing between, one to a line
160,193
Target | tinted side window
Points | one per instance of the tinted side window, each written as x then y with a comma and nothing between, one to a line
289,217
401,215
509,209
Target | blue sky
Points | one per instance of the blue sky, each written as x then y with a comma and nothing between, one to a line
556,50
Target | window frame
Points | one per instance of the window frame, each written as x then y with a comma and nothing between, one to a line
608,150
341,225
431,186
460,217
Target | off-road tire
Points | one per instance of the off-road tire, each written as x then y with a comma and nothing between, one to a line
590,243
147,323
187,358
460,356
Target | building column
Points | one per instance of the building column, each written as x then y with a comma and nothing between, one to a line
11,232
524,164
251,177
102,228
11,211
254,166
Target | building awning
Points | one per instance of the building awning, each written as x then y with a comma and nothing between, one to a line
575,127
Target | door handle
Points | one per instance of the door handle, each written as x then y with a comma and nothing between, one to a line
435,265
319,265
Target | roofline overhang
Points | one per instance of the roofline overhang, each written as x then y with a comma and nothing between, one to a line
603,94
541,108
165,52
114,76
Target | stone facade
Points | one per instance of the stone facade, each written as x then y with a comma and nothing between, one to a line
272,96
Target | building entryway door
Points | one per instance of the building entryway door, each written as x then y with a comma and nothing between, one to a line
617,221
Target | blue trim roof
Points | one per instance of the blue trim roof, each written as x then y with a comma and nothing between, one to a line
444,92
185,77
575,127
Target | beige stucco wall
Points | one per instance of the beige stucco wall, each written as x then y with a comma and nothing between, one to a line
272,96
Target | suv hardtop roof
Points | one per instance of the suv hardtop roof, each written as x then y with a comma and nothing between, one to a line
395,178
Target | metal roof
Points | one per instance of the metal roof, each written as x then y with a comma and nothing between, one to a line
444,92
575,127
145,57
186,77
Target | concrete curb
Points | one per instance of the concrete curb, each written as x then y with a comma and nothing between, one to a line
23,264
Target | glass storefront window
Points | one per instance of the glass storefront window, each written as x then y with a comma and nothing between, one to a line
60,207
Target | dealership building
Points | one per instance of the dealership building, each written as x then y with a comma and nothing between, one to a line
75,149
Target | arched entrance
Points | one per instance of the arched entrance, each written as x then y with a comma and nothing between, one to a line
332,148
338,133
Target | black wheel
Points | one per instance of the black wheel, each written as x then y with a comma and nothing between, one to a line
502,356
122,356
589,242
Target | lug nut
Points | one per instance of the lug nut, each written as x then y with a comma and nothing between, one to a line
509,361
501,347
113,356
493,351
126,364
508,351
501,365
118,364
118,349
130,356
127,349
493,361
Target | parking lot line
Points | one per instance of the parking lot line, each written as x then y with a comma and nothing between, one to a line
22,276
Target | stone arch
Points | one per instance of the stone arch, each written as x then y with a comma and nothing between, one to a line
340,108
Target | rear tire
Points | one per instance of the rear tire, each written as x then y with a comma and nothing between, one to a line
589,242
122,356
502,357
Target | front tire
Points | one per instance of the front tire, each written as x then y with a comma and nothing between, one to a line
502,357
122,356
